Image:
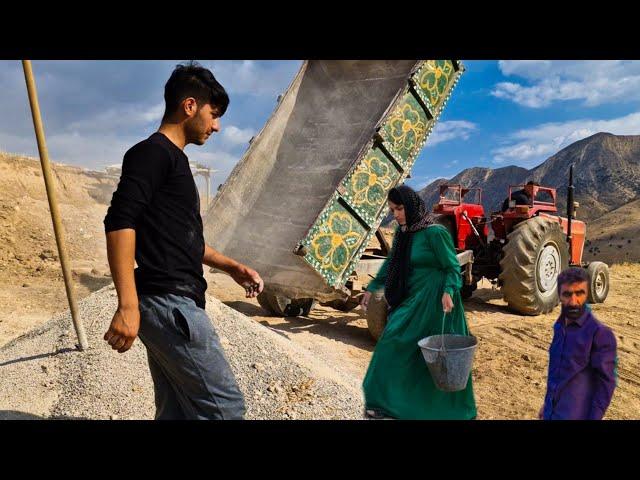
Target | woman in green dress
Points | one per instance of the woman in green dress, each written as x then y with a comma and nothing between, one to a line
421,280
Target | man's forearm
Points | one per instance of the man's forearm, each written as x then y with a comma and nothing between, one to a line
215,259
121,247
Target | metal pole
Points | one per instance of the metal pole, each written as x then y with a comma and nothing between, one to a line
53,202
570,212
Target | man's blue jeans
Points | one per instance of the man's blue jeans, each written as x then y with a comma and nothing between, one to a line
191,376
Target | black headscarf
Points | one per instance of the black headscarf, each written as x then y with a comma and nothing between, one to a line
417,218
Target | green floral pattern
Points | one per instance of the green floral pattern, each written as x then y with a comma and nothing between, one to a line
340,233
434,78
335,241
406,127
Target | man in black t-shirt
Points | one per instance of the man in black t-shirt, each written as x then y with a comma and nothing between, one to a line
521,197
155,219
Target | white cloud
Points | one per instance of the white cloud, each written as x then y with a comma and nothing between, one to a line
252,78
541,94
96,151
152,114
235,136
94,111
525,68
450,130
593,82
89,151
122,117
215,159
219,160
572,69
531,146
19,145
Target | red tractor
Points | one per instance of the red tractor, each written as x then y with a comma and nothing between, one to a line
531,244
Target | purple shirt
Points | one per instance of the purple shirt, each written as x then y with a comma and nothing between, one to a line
582,369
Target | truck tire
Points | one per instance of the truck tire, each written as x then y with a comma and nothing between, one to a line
534,255
274,304
377,315
263,300
281,306
598,282
343,305
467,290
305,305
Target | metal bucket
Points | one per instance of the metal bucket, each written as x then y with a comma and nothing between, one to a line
449,359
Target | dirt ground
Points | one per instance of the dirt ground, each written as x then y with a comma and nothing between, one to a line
510,366
31,286
613,238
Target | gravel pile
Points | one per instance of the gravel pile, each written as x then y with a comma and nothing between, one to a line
43,376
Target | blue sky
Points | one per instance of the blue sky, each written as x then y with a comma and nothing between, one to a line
501,113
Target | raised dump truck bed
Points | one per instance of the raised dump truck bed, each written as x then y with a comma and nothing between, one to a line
309,193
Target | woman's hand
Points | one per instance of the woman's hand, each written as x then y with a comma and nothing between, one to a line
364,301
447,303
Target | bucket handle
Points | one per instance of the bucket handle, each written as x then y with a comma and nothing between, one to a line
442,349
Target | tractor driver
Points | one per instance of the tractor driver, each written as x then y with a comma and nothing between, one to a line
521,197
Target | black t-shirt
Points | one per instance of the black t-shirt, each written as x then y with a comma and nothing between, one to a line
157,196
521,197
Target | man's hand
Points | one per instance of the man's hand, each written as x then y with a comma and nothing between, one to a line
364,301
123,329
248,279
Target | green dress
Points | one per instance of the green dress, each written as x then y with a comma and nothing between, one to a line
398,383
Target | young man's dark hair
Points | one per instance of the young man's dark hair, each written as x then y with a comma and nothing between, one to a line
193,80
572,275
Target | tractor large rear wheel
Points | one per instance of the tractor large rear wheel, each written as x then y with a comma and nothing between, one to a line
534,255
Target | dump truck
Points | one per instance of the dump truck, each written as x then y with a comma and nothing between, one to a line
307,197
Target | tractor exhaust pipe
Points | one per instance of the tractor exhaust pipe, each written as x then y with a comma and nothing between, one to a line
473,227
570,210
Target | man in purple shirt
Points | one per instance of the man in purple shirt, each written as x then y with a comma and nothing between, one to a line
582,356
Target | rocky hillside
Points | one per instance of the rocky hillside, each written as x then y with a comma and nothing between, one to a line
606,176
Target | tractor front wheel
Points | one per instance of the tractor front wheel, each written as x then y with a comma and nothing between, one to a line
534,255
598,282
